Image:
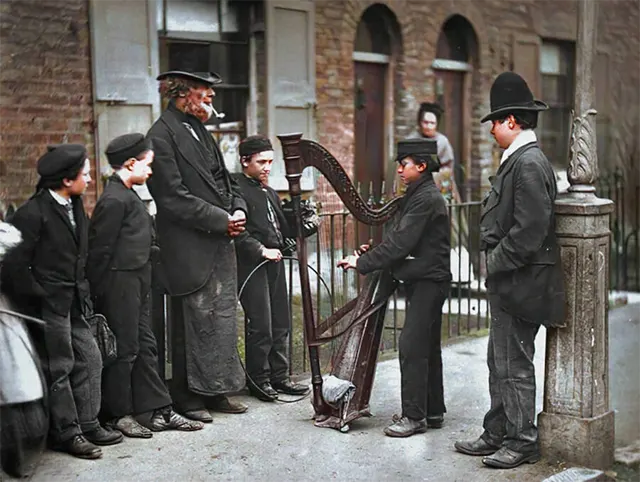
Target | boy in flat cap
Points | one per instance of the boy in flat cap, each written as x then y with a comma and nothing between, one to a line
416,249
524,276
119,272
264,298
45,276
199,214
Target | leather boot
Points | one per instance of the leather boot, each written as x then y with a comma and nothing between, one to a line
80,447
475,447
405,427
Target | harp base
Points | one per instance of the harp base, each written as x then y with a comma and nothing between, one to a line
340,423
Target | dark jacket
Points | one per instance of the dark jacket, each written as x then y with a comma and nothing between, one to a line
192,206
120,234
49,265
518,232
260,231
420,230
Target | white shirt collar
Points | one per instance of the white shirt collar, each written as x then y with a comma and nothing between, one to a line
525,137
61,200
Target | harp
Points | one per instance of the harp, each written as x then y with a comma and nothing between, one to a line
355,359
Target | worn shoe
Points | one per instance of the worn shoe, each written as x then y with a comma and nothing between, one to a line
129,427
263,391
102,436
405,427
435,421
222,403
201,415
290,388
505,458
80,447
169,420
475,447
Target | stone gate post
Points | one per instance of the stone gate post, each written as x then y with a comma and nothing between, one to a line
576,424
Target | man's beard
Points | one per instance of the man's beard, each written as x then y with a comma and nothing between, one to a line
199,109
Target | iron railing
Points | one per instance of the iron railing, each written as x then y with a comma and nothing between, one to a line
625,229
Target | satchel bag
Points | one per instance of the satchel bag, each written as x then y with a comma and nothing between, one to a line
105,338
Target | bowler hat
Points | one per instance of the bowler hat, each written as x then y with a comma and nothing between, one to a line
206,78
510,93
416,147
123,148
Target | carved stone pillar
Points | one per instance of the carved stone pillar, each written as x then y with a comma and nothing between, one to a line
576,424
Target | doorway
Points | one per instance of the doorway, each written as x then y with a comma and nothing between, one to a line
456,54
369,127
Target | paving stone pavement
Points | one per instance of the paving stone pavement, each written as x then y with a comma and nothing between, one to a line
278,442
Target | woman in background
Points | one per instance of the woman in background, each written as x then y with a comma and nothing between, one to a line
429,115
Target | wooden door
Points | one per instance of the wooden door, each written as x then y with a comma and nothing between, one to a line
452,121
369,133
369,126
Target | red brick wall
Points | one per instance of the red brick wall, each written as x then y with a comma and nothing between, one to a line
495,23
45,87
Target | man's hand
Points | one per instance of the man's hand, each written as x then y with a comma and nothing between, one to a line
236,223
271,254
349,262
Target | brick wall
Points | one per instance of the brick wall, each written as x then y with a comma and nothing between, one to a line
495,24
45,87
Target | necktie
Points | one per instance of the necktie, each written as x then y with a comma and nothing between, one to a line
271,215
69,208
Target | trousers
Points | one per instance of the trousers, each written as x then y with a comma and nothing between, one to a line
131,385
420,350
72,366
266,308
512,382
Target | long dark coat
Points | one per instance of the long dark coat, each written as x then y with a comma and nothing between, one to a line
195,194
518,232
192,215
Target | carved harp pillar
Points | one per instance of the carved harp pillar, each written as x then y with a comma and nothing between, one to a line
363,316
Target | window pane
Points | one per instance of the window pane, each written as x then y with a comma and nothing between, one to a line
553,132
231,61
550,59
189,56
193,16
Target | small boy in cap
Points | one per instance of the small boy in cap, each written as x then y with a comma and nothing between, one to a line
416,249
264,298
135,400
45,277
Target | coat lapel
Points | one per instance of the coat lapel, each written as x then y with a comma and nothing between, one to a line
62,213
492,199
191,149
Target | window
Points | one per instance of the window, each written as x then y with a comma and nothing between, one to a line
210,35
557,66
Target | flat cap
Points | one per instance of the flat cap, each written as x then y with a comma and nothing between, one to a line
123,148
253,145
61,160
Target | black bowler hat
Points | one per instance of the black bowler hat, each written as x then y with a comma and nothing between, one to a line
253,145
61,161
206,78
422,147
123,148
510,93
